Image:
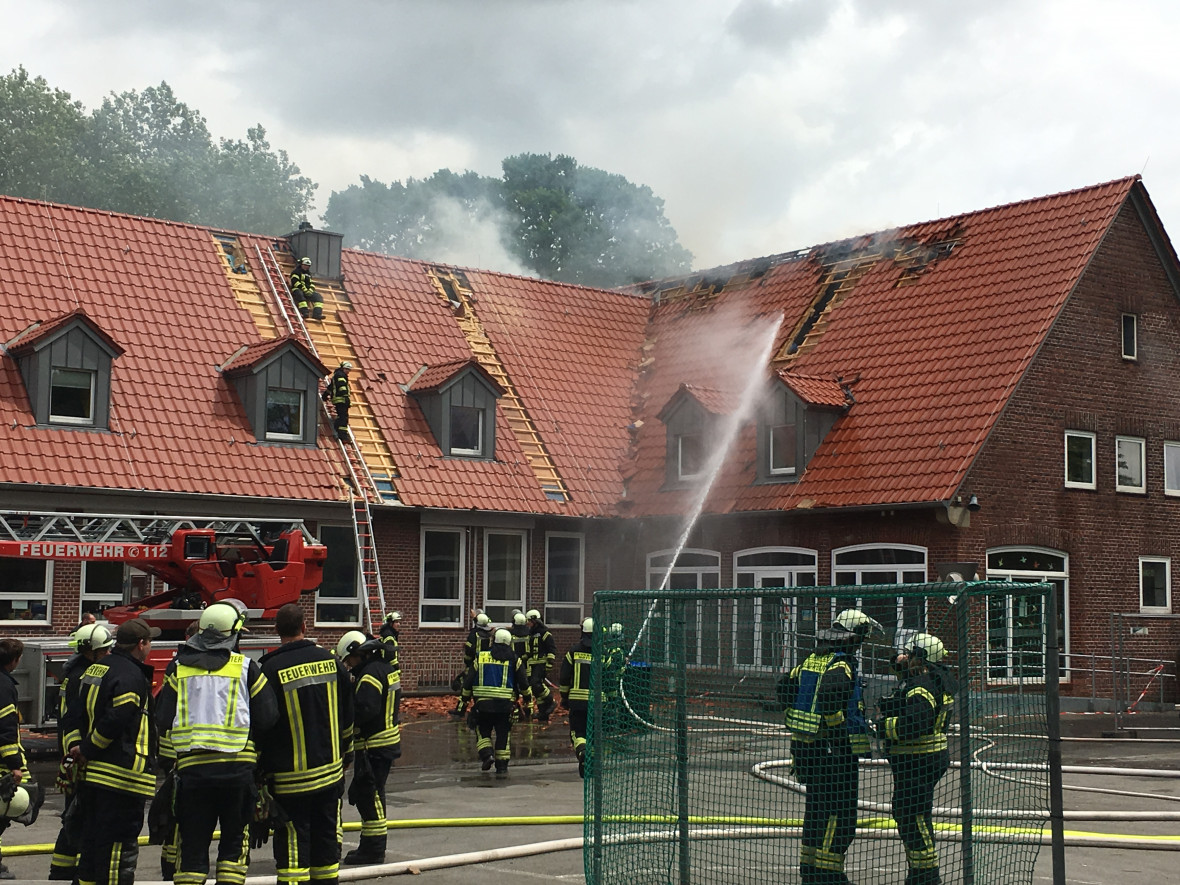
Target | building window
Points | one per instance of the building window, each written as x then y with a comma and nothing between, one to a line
1155,585
1079,460
1016,629
782,449
71,397
284,414
1172,468
564,571
1130,336
440,602
871,564
691,570
773,632
103,585
466,431
1129,457
338,599
504,578
689,455
26,591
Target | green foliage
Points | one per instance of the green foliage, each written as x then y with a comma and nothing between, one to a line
144,153
564,221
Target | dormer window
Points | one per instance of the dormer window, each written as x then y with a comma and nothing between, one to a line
796,416
782,449
458,400
275,380
71,397
689,455
689,416
66,366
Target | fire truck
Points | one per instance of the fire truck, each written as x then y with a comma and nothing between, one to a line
197,560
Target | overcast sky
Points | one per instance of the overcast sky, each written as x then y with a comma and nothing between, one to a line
765,125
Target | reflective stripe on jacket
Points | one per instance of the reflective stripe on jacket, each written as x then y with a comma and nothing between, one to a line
375,704
921,726
212,707
494,678
116,725
807,716
575,675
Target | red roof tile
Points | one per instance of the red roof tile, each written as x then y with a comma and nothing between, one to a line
815,390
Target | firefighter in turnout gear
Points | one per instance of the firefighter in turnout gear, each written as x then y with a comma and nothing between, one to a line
91,642
377,742
479,638
913,723
303,288
493,681
112,735
303,757
213,703
575,690
339,394
520,646
825,715
12,754
542,654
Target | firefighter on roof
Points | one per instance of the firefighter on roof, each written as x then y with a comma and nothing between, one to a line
303,288
493,681
91,643
913,722
828,733
542,654
376,690
211,706
303,756
112,734
339,394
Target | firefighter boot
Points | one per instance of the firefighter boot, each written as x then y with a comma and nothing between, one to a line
546,707
460,708
370,851
317,313
581,753
501,768
128,860
485,759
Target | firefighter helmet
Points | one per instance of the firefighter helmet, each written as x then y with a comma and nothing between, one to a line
588,625
483,622
853,620
350,643
502,637
305,260
346,366
17,805
94,637
533,615
518,619
616,631
926,646
393,617
82,633
226,616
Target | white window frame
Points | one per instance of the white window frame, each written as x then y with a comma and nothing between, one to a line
1132,352
790,574
1036,575
476,452
358,595
461,579
705,611
1141,445
1172,469
779,471
73,419
46,595
286,437
1081,434
104,600
1165,609
899,569
680,471
517,601
555,609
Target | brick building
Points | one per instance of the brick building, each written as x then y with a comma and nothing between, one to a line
995,387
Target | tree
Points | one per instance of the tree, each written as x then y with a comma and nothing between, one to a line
252,188
39,133
563,221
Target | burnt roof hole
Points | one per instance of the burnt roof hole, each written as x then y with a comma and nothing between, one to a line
817,310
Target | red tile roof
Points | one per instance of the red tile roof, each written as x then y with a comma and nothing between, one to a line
816,390
935,322
434,377
159,290
256,353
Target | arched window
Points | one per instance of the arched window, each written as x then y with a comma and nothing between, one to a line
690,570
1016,624
767,629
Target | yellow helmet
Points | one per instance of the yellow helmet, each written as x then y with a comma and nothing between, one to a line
95,637
226,616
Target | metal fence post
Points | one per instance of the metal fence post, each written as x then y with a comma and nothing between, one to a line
963,662
681,664
1053,715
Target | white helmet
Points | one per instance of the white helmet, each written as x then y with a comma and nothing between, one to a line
483,622
926,646
94,637
349,643
82,633
393,617
533,615
588,625
853,620
518,619
616,630
502,637
226,616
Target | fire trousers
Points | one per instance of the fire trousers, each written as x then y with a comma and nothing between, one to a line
110,835
307,845
200,805
914,780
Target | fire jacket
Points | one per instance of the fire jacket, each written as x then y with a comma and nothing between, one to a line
821,692
113,724
477,640
542,647
338,390
12,755
520,640
915,717
302,284
376,687
210,706
67,696
305,751
497,676
575,674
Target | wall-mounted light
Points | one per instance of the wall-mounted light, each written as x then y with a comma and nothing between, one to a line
973,504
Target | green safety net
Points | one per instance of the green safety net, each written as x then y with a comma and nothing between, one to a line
692,775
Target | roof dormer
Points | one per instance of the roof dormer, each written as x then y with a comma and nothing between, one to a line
458,400
690,417
278,383
795,418
65,364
